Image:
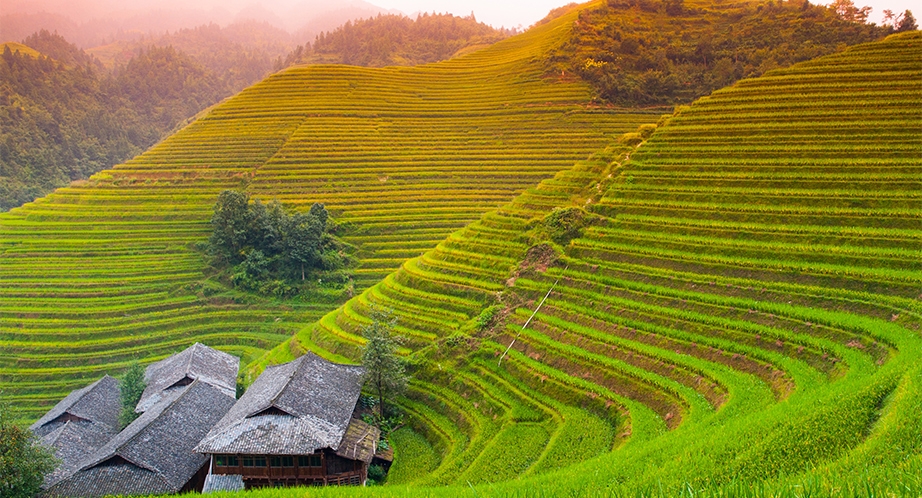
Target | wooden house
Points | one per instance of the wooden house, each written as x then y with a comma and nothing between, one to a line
154,454
197,362
79,425
294,426
186,395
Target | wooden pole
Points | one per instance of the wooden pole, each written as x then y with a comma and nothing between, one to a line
499,363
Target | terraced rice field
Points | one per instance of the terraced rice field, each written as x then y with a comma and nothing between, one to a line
741,311
105,271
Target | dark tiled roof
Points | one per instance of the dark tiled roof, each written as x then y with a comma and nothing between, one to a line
154,449
360,441
197,362
217,482
291,409
72,443
98,402
105,480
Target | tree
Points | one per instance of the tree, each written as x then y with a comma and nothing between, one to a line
899,22
847,11
23,461
131,387
908,22
230,224
385,373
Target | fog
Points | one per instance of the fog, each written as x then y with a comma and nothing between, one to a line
94,22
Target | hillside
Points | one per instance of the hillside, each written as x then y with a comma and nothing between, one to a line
664,52
63,117
14,47
394,40
733,307
108,270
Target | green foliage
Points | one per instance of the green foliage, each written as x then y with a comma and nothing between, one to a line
131,387
488,317
653,52
269,249
385,372
24,462
562,225
376,475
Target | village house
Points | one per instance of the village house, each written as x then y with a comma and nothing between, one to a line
186,395
79,425
293,426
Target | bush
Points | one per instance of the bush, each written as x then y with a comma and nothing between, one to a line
23,462
131,388
376,475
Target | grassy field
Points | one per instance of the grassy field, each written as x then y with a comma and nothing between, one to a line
106,271
733,306
733,300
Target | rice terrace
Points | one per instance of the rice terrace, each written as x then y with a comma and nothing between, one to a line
641,248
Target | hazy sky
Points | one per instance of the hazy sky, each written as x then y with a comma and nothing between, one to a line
525,13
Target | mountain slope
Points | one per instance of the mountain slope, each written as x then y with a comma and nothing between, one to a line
731,305
107,271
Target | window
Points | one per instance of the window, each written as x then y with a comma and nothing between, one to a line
283,461
247,461
259,461
225,460
310,461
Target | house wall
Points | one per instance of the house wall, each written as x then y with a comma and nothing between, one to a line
333,469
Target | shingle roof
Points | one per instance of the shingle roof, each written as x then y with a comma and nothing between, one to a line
72,443
359,442
121,479
98,402
291,409
218,482
154,453
197,362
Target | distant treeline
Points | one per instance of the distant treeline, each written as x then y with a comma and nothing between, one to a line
63,116
662,52
394,40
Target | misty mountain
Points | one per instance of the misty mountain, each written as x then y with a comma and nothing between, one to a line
91,23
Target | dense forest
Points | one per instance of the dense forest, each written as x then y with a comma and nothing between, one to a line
393,40
238,54
64,117
662,52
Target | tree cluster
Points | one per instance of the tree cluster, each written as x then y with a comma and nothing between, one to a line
663,52
393,40
269,249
